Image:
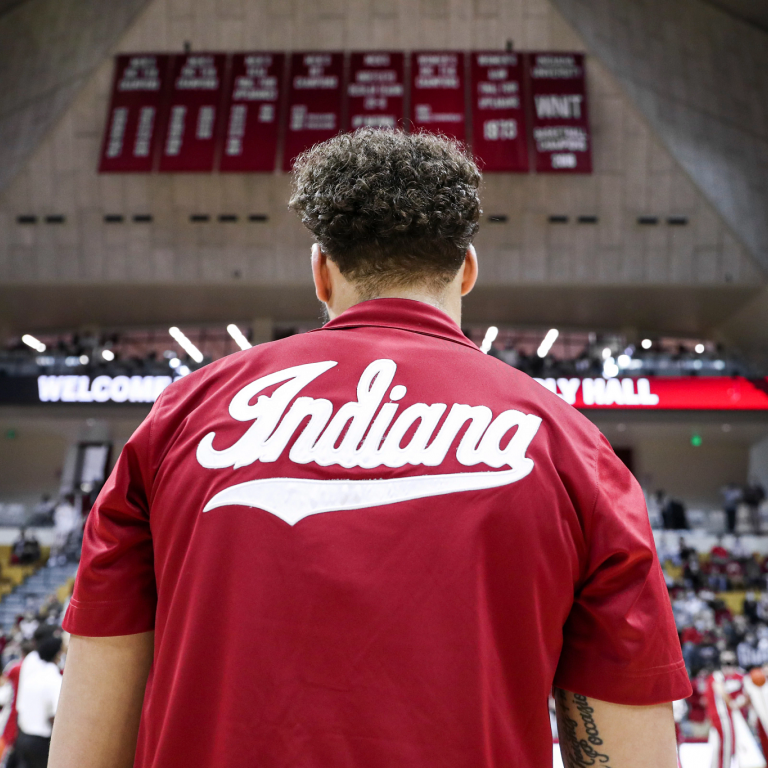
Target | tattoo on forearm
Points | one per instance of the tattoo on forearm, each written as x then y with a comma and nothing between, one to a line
579,753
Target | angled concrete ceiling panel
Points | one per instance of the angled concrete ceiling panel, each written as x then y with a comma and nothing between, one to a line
700,77
611,273
48,50
753,11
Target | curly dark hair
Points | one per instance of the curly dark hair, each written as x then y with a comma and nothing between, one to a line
389,208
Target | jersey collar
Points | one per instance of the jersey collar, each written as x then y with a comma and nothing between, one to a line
401,314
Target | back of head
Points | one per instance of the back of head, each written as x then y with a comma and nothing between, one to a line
49,647
390,209
44,631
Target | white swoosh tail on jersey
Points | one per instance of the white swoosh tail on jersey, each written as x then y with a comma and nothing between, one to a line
293,499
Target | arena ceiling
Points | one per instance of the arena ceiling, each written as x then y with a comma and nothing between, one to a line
683,310
52,52
752,11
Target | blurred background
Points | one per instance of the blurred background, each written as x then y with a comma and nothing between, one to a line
144,232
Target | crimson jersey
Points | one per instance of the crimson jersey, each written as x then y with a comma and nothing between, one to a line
733,683
11,730
372,545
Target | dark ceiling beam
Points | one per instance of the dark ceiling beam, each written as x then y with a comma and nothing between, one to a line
752,11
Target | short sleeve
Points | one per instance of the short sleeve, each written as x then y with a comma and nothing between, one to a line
115,591
620,642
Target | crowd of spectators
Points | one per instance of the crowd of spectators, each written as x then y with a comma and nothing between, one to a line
33,659
149,352
720,604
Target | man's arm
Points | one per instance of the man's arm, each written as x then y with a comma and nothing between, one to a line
97,719
596,733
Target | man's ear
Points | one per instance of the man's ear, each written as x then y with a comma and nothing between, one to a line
469,276
320,274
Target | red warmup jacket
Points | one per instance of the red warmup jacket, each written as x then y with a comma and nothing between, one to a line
373,545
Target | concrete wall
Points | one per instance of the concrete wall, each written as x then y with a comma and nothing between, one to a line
635,174
48,51
758,463
700,77
32,461
694,475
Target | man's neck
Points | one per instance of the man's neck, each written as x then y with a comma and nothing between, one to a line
442,301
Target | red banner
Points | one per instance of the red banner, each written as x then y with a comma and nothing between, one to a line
194,109
694,393
376,90
251,123
315,102
498,116
558,111
131,136
437,93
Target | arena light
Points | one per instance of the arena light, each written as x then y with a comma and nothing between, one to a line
108,355
31,341
186,344
547,343
238,336
84,360
646,343
607,353
624,361
490,337
610,369
699,348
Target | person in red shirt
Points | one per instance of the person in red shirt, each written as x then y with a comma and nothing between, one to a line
727,701
11,674
370,545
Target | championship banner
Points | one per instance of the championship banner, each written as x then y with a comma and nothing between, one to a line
437,93
194,109
499,138
558,113
315,102
694,393
131,135
376,90
251,122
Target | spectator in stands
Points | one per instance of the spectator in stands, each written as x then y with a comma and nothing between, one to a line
753,573
734,572
692,573
38,697
715,569
17,548
42,514
660,497
66,519
719,552
749,608
731,494
672,512
28,625
11,674
753,496
26,549
685,552
749,654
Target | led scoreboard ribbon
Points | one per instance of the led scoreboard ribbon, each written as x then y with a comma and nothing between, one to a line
657,393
